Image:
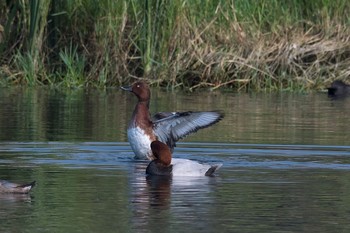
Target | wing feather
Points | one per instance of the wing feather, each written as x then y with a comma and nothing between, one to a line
171,127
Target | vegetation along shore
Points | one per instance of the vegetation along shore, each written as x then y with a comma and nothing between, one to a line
246,45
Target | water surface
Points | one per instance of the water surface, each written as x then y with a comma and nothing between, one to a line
286,164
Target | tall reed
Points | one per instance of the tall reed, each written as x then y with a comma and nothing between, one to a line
241,44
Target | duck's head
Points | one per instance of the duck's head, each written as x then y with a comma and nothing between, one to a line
140,89
161,165
338,88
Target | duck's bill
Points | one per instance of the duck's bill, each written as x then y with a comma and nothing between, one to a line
127,88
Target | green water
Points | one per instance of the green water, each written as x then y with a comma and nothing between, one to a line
286,164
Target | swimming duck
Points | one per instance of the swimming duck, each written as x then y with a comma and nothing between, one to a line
9,187
167,127
164,165
338,89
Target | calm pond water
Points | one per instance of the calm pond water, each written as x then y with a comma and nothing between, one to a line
286,164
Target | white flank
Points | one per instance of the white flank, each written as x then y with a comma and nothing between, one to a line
186,167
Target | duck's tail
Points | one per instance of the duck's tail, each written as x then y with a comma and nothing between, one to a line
212,169
25,188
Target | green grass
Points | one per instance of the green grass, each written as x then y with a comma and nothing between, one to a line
243,44
26,64
73,67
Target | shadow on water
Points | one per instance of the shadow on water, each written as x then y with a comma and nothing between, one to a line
286,164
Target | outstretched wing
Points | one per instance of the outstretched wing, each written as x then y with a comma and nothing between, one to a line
170,127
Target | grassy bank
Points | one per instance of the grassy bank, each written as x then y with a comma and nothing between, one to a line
241,44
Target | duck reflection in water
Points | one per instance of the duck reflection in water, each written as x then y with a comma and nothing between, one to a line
167,180
159,189
157,199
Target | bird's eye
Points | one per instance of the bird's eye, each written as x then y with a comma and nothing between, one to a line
138,85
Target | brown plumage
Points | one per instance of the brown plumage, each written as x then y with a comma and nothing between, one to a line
161,152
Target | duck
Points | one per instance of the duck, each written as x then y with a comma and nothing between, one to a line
167,127
165,165
9,187
338,89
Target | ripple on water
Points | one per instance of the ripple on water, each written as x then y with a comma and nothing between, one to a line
232,155
260,187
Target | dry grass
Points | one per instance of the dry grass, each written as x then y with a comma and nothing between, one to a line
309,60
220,44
